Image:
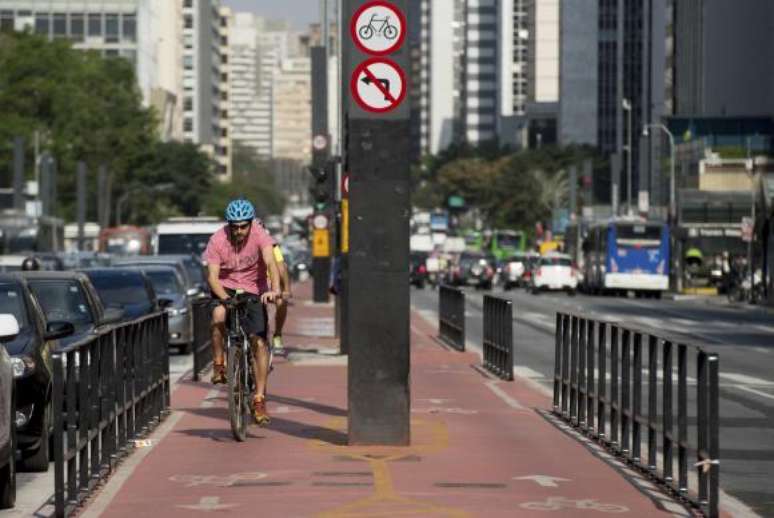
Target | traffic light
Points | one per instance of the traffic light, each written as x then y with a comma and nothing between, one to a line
321,190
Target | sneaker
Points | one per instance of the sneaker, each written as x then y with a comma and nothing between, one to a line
219,374
276,344
259,411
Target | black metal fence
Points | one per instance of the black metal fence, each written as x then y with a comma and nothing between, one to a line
451,317
202,337
590,352
109,389
498,336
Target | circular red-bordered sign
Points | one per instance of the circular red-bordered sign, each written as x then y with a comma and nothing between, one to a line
378,85
378,28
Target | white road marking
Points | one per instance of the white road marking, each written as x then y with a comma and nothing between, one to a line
526,372
207,504
502,395
754,391
544,480
743,379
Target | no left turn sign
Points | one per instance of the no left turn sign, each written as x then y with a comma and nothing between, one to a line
378,28
378,85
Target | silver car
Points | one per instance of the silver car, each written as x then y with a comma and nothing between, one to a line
171,293
9,328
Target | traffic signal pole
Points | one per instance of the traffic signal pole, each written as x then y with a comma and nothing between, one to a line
323,195
377,144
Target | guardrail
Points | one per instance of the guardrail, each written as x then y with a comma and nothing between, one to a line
451,317
589,351
498,336
109,389
202,337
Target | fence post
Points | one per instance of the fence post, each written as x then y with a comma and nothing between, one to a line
59,430
557,361
714,434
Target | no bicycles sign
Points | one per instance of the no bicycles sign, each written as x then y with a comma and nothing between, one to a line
378,85
378,28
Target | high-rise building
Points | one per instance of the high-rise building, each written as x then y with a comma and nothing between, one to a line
292,110
145,32
223,141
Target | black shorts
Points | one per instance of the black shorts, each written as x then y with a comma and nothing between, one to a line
255,322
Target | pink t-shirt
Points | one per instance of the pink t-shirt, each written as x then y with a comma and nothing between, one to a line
244,269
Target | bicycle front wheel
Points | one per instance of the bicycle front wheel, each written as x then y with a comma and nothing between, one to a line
237,392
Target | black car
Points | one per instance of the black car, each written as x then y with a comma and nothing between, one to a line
127,289
9,328
476,269
418,269
70,297
30,352
190,268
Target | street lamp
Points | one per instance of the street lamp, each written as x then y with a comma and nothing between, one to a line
627,107
162,187
672,199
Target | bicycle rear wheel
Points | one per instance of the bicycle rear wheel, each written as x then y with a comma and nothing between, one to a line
237,392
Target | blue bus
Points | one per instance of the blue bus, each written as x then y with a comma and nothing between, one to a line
627,255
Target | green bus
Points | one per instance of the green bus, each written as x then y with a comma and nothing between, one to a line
504,243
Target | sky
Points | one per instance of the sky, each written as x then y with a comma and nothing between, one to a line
298,12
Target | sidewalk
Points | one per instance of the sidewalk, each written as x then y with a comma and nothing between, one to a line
480,447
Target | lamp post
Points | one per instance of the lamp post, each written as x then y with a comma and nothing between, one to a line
627,107
162,187
672,199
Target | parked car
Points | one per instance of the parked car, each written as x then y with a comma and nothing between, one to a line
9,328
190,268
418,269
30,350
170,289
70,297
516,268
128,289
554,272
475,269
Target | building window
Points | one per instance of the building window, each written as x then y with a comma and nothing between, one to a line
95,25
188,62
188,125
42,24
111,28
188,22
224,132
6,21
224,77
77,26
60,25
130,27
188,41
224,114
188,104
224,96
187,3
111,53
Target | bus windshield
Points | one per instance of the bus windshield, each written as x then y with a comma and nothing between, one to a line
638,235
509,240
183,243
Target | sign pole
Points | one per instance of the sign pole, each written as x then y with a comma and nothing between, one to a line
321,260
377,150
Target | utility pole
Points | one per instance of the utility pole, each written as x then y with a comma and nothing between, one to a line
18,174
378,147
81,209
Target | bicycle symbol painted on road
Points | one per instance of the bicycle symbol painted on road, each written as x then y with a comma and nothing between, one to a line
217,480
557,503
386,29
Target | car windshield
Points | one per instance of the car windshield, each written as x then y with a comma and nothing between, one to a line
195,272
555,261
165,282
183,243
62,300
11,302
119,288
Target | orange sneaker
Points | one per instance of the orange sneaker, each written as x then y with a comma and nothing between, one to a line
219,374
259,411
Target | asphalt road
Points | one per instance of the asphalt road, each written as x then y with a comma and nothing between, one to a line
742,336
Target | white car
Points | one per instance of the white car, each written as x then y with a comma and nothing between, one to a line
554,272
513,270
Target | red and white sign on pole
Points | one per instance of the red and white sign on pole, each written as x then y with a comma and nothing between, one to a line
378,85
378,28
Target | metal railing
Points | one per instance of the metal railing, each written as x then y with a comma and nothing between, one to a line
202,337
451,317
498,336
109,389
589,352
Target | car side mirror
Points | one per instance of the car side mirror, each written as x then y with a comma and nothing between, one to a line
9,326
165,303
111,316
59,329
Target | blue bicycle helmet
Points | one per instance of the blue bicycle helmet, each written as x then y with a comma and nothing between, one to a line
240,210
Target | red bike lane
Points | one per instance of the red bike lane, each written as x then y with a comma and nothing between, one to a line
480,447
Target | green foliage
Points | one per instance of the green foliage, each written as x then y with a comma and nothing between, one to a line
251,179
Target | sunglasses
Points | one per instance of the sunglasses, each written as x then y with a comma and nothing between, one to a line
239,226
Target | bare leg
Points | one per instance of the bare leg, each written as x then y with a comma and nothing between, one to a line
280,315
218,328
260,364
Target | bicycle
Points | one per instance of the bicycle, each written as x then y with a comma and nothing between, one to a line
387,30
239,361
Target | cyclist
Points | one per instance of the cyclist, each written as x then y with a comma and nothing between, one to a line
30,264
281,313
240,256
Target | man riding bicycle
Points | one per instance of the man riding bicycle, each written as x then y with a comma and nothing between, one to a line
239,256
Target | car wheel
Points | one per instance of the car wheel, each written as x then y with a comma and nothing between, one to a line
421,285
184,348
37,460
8,472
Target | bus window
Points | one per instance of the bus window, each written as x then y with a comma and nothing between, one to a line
638,236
